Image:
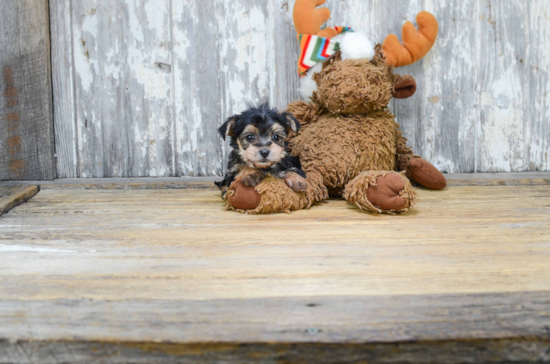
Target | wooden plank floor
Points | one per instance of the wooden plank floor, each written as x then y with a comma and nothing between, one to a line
168,276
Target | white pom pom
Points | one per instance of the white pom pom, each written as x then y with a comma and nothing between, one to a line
356,46
339,38
307,84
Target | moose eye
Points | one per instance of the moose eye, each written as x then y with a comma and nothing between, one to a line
276,137
250,137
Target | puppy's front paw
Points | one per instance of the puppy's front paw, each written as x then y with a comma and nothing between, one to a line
296,182
252,179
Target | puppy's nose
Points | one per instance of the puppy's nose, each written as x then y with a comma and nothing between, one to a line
264,153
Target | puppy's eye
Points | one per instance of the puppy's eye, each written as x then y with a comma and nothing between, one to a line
250,137
276,137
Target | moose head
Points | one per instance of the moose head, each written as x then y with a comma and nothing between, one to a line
344,71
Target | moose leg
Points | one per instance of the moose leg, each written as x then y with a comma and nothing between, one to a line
381,191
416,168
274,195
423,172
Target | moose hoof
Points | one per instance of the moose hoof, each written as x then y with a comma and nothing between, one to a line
426,174
385,195
244,197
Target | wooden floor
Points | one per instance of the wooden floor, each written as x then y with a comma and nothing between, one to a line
168,276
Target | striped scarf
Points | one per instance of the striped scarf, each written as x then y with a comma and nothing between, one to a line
317,49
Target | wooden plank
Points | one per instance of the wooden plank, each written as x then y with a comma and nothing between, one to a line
303,319
282,54
135,183
26,120
462,277
123,72
66,143
491,220
506,228
486,352
295,330
504,122
499,179
448,102
454,179
537,157
197,89
14,195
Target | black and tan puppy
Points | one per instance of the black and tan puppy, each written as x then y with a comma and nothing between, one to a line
259,141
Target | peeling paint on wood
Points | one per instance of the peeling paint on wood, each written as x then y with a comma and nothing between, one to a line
141,86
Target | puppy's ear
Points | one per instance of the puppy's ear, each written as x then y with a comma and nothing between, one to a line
293,124
226,129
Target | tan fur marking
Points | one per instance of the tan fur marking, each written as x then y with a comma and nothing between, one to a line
277,128
250,129
228,131
296,182
254,160
250,176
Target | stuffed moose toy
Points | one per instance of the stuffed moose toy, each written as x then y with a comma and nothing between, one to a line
350,144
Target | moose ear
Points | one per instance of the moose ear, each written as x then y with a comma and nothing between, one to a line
226,129
292,122
404,87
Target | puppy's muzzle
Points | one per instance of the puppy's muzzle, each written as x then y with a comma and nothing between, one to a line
264,153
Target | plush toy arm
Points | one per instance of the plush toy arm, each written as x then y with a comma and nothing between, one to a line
274,195
305,112
404,153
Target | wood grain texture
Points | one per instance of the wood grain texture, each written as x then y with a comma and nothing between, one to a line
295,330
351,319
504,81
476,352
538,64
122,61
437,248
93,275
26,116
14,195
66,143
481,104
198,94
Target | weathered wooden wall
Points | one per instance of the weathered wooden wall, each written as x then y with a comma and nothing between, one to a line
140,86
26,116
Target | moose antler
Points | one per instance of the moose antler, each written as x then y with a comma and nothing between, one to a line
416,44
308,19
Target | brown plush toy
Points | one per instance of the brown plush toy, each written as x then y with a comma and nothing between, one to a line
350,144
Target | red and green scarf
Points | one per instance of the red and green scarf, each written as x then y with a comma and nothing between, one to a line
317,49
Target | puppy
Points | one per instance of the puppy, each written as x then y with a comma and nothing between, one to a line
259,138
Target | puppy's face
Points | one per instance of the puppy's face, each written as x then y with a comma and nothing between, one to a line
263,144
260,134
